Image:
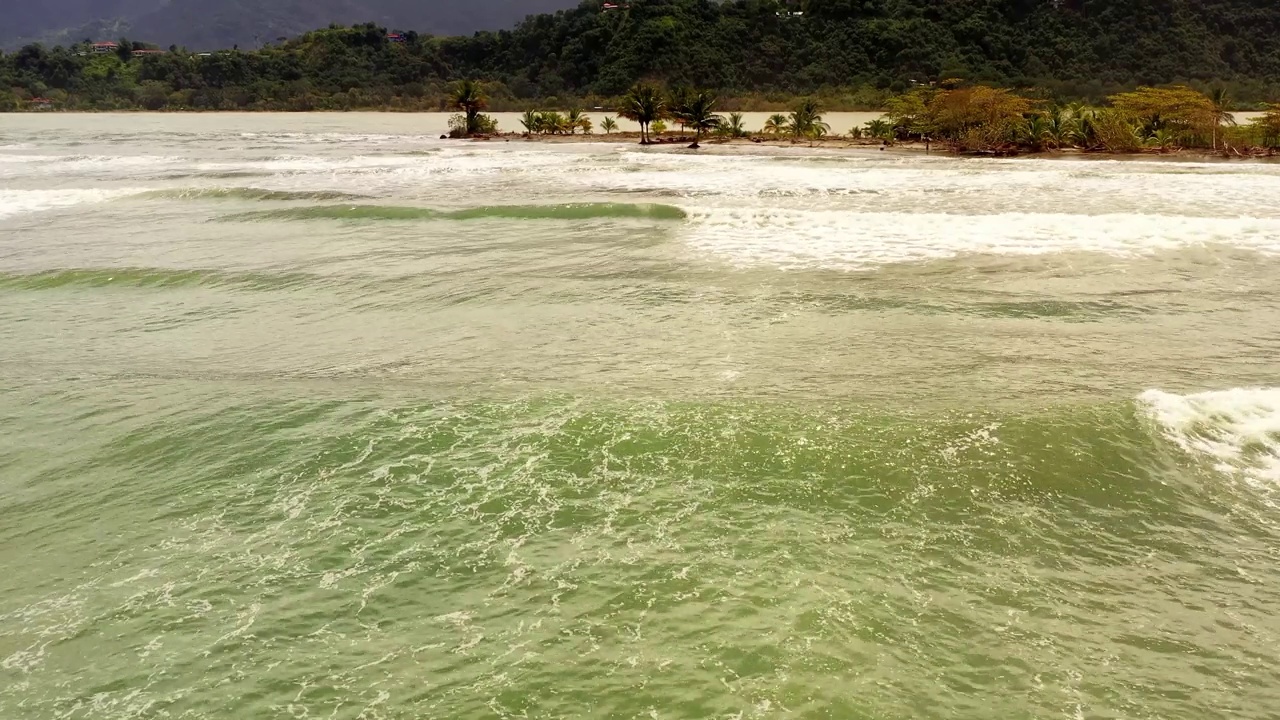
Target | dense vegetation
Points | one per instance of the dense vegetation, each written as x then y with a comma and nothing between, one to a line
965,118
993,120
218,24
849,53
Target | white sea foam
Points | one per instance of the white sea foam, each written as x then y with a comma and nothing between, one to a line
859,183
410,166
1239,429
20,202
89,166
299,138
852,240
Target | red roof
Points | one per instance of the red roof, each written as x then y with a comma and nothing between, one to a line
106,44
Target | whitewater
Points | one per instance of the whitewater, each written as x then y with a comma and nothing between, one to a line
322,416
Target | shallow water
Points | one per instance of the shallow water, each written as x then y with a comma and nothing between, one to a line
318,416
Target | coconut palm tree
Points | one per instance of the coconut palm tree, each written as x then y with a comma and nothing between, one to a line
609,125
698,113
806,120
1221,100
532,122
817,132
585,124
677,105
469,98
1086,124
775,124
1033,131
1060,130
1163,139
554,123
643,104
879,128
574,120
734,126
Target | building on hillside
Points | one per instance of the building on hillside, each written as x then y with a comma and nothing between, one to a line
611,6
41,103
396,37
138,53
106,47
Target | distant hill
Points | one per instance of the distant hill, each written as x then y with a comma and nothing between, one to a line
855,51
215,24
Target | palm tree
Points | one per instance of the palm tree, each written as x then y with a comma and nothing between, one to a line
677,105
734,127
1086,124
586,125
532,122
643,104
575,120
1162,138
775,124
698,113
659,126
1033,131
879,128
554,123
608,125
469,98
1221,100
806,120
1060,128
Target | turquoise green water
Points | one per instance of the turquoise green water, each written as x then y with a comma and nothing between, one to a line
621,434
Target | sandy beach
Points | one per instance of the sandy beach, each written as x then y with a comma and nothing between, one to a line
683,141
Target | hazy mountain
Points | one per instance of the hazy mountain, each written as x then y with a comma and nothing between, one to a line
203,24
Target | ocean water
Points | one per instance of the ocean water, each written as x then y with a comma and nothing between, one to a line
318,416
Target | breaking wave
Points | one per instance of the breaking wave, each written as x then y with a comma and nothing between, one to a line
247,193
570,211
1237,429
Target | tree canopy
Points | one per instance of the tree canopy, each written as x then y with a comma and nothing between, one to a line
1084,49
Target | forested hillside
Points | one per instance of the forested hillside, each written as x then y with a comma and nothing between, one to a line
747,45
1072,49
218,24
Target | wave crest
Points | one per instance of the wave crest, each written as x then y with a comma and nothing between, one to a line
247,193
569,211
1238,428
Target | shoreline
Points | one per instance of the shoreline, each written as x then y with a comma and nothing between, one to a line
844,143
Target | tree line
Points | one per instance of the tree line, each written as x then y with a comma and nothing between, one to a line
757,54
965,118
